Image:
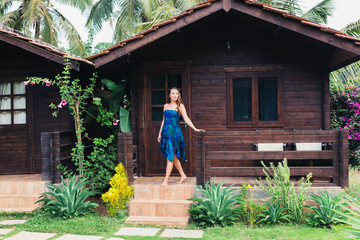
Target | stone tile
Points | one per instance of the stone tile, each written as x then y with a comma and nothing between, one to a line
131,231
78,237
12,222
4,231
182,233
31,236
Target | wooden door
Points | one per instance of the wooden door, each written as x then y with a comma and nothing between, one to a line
15,129
158,84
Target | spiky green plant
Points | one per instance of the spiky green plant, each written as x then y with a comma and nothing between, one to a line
273,213
68,200
350,202
216,208
324,213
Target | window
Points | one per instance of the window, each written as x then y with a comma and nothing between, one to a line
254,99
12,103
161,83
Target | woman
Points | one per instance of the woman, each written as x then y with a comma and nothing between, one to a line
171,140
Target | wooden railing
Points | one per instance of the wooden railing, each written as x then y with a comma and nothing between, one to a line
127,154
234,154
55,150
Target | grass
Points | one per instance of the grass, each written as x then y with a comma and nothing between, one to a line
106,226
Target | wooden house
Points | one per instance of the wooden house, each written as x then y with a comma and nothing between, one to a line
25,117
256,78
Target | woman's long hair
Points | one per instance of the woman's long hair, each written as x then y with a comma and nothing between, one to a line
179,101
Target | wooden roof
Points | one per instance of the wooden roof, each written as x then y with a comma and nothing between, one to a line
343,42
40,48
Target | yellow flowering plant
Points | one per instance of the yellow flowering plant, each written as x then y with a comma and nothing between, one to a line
119,193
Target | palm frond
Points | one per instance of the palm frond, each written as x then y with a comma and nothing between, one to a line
320,12
31,13
80,4
12,19
100,12
48,30
5,5
72,36
352,29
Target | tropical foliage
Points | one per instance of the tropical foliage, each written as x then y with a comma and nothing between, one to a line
273,213
325,214
350,201
345,115
132,16
280,188
119,193
216,208
42,20
69,199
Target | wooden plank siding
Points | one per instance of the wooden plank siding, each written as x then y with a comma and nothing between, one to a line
17,65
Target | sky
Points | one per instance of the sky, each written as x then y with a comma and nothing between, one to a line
346,11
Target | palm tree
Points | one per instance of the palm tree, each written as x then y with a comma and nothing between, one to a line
349,75
317,13
42,20
132,16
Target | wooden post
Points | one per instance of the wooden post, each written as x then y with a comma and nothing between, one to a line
344,159
121,148
200,176
56,157
129,156
46,156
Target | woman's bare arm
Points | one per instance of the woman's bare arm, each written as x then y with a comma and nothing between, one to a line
187,119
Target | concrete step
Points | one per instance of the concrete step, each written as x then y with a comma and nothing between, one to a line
21,187
17,209
171,192
159,208
155,220
18,202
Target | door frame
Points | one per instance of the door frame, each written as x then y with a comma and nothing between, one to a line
165,67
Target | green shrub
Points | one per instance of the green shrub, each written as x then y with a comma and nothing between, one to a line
279,187
273,213
68,200
217,208
325,214
350,202
253,212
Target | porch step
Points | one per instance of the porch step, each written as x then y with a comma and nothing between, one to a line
159,208
18,193
164,221
158,205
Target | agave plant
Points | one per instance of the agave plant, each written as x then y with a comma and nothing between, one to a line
273,213
217,208
351,204
68,200
325,214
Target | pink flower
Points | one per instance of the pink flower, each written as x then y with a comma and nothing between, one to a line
32,83
26,83
47,83
59,106
63,102
115,122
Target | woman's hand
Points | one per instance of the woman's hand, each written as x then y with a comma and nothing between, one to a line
199,130
159,138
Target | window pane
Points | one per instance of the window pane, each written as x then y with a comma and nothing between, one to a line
5,88
174,80
157,114
19,102
19,88
5,118
268,105
5,103
242,99
157,81
19,117
158,97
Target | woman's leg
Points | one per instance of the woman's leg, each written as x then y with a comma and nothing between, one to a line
169,167
179,168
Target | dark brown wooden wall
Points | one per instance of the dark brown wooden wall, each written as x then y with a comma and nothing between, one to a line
16,65
252,43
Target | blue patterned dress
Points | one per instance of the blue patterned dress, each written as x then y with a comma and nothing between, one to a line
172,140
